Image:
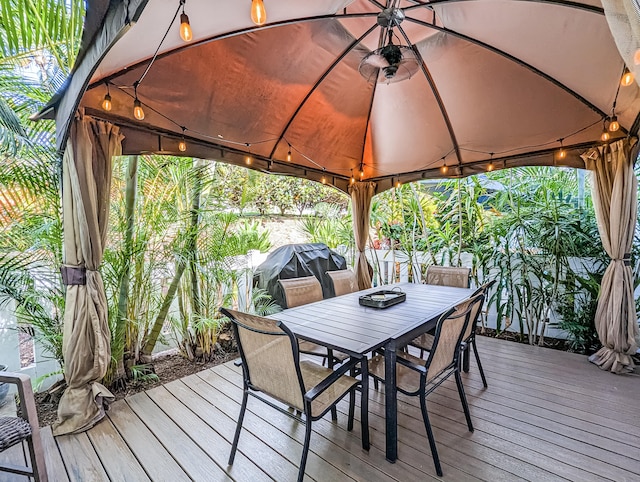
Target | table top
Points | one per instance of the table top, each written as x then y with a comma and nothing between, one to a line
342,324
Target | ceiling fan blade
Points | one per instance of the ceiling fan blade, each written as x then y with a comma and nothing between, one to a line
376,60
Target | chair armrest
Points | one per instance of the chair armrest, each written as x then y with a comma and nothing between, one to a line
14,378
25,393
331,379
419,368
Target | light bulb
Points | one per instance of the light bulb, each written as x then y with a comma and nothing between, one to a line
289,156
185,28
106,102
605,135
182,145
562,154
614,125
138,113
352,180
444,169
361,173
398,184
258,12
627,78
490,167
247,160
324,180
636,57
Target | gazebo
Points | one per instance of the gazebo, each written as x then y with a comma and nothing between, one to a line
359,94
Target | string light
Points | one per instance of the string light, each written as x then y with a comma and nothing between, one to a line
361,171
627,78
106,102
182,145
248,160
561,153
138,113
605,133
289,154
444,168
185,27
352,181
398,183
614,125
490,166
258,12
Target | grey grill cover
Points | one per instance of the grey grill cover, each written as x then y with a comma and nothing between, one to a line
297,261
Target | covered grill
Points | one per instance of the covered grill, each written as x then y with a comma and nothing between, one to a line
297,261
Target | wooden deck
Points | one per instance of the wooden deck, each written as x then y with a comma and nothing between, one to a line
547,415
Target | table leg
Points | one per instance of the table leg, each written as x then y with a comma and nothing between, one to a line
364,403
465,358
391,401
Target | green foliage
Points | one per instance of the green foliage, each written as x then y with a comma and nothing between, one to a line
250,236
143,373
330,227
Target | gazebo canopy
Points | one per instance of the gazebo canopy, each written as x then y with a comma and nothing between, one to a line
498,82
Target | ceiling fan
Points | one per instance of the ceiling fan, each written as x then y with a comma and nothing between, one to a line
390,63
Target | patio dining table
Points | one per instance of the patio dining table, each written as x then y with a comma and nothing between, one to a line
342,324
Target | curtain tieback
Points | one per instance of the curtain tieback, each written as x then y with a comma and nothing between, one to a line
626,259
73,275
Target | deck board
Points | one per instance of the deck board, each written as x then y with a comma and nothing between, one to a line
546,416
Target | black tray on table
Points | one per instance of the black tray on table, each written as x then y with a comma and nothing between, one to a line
382,298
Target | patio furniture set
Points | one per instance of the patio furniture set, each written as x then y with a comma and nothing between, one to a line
357,341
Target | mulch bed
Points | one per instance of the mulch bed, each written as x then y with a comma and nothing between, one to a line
553,343
167,368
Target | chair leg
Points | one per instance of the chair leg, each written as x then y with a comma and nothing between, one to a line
463,399
475,352
36,453
243,407
432,440
305,448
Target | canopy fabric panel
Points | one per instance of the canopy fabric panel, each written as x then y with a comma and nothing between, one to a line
86,337
615,190
497,81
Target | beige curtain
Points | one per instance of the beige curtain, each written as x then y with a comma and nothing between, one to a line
615,187
623,18
361,195
86,338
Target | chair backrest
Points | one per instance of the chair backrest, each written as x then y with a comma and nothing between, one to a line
300,291
344,281
476,308
270,357
449,332
448,276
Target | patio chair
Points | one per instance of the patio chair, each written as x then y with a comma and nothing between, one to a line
271,366
444,276
23,429
425,341
418,377
344,281
448,276
300,291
